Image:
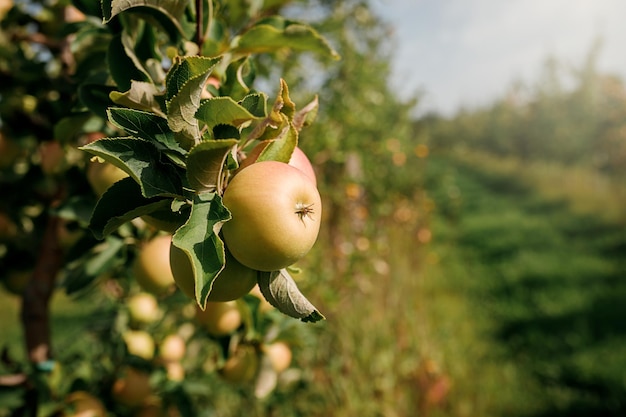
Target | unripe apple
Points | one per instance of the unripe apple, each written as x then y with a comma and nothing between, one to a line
276,212
242,365
298,160
139,343
83,404
102,175
9,151
132,388
220,318
143,308
233,282
16,280
151,268
172,348
279,354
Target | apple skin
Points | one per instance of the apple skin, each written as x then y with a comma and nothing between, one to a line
242,366
298,160
219,318
132,388
143,308
83,404
172,348
151,268
276,214
139,343
102,175
279,354
233,282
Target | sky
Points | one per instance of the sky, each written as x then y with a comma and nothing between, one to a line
465,53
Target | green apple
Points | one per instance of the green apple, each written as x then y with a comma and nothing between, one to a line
143,308
233,282
219,318
151,268
139,343
242,365
276,214
102,175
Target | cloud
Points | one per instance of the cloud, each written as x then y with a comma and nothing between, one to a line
468,52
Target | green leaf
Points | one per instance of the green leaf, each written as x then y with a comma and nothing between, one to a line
187,68
93,264
96,97
142,161
121,203
141,96
199,239
205,164
281,148
185,83
123,64
256,104
167,12
281,291
223,110
275,33
145,125
70,126
239,76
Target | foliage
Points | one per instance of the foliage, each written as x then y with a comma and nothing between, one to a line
571,117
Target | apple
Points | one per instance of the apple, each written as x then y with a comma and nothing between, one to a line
172,348
233,282
139,343
132,388
143,308
279,354
175,371
83,404
276,213
242,365
151,268
298,160
219,318
102,175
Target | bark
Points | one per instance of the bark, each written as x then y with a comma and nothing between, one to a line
35,314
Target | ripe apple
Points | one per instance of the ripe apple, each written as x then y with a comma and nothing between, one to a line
242,365
279,354
298,160
151,268
139,343
233,282
83,404
175,371
172,348
143,308
219,318
102,175
276,212
132,388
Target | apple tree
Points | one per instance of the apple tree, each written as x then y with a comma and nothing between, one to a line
122,126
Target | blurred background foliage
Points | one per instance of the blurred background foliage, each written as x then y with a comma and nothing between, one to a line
468,265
